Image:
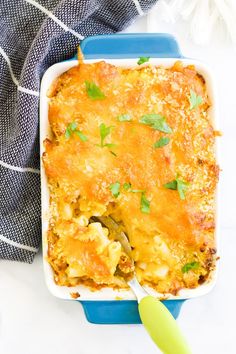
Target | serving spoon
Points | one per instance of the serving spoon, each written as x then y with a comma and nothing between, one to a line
156,318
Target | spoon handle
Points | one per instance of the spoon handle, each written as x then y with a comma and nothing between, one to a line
162,327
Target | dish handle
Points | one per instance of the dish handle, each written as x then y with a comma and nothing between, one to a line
130,45
121,311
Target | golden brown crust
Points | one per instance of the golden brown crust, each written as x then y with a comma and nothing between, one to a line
176,231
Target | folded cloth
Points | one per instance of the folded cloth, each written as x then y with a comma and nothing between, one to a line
34,34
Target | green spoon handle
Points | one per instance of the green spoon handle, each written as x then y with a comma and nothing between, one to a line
162,326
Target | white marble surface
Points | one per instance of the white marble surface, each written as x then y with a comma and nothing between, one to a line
33,322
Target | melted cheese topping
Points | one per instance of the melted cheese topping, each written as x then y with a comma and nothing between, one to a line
175,232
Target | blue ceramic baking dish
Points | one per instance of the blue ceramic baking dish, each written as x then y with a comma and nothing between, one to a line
100,307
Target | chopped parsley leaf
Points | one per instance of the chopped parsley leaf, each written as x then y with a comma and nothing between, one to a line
104,132
81,135
137,191
189,266
126,186
143,60
179,185
156,121
110,146
124,118
72,128
93,91
171,185
115,189
67,133
161,142
194,100
144,204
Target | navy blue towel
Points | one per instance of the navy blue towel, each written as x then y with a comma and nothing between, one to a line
33,36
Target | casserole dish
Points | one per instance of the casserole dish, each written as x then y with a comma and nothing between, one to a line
163,50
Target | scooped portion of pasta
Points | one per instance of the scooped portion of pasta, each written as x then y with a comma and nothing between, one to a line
136,145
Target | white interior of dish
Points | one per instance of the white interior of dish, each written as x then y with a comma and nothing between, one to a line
107,293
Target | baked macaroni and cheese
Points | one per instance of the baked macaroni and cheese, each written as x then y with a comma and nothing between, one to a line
135,146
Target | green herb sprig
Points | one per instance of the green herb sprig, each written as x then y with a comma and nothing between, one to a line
190,266
72,128
115,189
126,186
143,60
194,100
137,191
93,91
179,185
144,204
124,118
104,132
156,121
161,142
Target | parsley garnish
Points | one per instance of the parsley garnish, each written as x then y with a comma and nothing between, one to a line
194,100
94,91
72,128
171,185
142,60
104,132
179,185
81,135
126,186
156,121
137,191
68,133
144,204
161,142
124,118
115,189
189,266
112,152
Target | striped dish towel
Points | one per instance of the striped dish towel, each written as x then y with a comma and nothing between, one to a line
35,34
